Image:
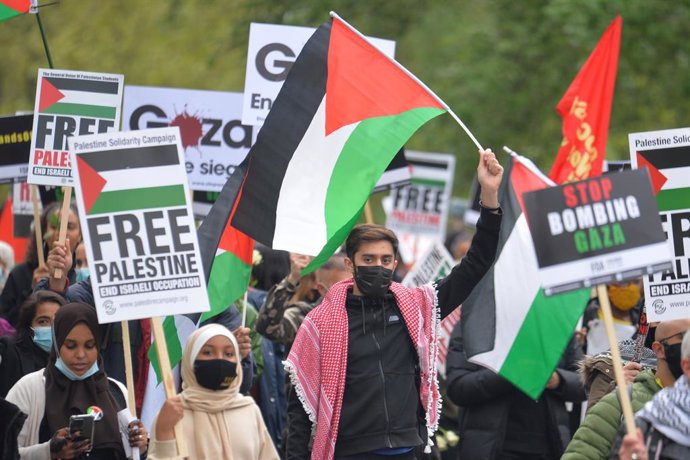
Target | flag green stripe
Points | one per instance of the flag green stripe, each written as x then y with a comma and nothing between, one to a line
547,328
375,141
81,110
228,280
7,13
139,198
174,347
428,182
677,198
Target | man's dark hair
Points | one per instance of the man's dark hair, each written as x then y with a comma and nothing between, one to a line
369,233
28,310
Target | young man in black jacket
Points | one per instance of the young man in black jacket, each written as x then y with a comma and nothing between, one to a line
364,361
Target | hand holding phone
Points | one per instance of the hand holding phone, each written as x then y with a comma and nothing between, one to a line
81,429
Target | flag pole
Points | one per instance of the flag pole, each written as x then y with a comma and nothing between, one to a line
45,40
244,308
333,14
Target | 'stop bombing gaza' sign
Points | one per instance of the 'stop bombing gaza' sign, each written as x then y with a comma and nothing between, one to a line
596,231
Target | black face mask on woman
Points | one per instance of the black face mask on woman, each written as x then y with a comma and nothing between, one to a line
373,281
215,374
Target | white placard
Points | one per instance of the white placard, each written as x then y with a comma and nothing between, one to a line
138,225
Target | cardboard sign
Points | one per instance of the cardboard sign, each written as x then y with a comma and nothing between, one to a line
419,211
666,155
213,137
15,144
596,231
272,51
141,242
69,103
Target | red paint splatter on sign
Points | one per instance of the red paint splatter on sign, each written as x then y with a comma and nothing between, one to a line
190,129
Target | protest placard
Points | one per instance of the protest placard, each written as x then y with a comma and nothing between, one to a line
15,143
69,103
213,137
272,50
137,222
596,231
418,212
666,154
22,208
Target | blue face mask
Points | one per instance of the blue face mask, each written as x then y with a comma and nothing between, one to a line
43,338
82,274
67,372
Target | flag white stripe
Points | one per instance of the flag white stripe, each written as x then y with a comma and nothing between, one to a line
677,177
515,293
125,179
300,213
89,98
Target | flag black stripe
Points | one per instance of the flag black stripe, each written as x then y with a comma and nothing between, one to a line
672,157
478,321
91,86
283,130
137,157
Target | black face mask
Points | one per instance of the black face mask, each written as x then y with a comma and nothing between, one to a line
373,281
672,354
215,374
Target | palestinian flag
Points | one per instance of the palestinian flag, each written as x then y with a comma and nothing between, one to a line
106,179
226,252
508,325
669,169
12,8
343,112
79,97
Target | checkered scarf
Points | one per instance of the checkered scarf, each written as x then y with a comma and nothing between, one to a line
669,411
317,363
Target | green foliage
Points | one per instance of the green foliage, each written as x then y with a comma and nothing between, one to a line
501,65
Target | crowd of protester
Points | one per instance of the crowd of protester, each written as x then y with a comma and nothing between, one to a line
326,366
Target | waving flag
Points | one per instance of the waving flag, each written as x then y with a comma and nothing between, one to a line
586,111
342,114
508,325
12,8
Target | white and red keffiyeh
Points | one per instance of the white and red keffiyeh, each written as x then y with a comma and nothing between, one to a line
318,359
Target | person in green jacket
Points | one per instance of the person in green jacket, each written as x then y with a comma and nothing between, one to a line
594,438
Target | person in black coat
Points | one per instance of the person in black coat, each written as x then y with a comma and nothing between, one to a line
497,420
27,351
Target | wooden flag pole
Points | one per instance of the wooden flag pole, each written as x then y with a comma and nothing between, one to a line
64,220
166,374
129,369
37,226
368,215
623,395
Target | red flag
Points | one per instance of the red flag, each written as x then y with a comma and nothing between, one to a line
586,111
7,232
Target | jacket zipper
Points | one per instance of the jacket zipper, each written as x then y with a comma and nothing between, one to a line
383,380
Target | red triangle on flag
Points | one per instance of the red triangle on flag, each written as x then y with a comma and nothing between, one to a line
363,83
658,179
21,6
92,183
49,95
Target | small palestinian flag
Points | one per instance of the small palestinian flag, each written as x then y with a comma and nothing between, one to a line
343,112
13,8
669,169
79,97
106,179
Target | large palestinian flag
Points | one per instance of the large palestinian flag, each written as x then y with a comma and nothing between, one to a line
669,169
340,117
12,8
105,179
508,325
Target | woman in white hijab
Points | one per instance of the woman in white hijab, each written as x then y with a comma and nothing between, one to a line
217,421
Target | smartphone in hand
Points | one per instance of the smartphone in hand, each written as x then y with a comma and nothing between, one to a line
81,428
